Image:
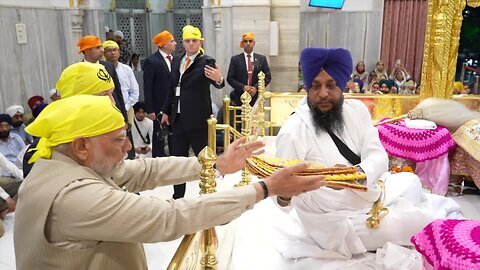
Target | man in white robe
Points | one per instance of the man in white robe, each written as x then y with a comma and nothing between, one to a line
328,223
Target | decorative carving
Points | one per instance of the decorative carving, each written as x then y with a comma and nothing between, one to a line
473,3
217,19
246,128
441,47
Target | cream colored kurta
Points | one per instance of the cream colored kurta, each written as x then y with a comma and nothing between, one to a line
68,217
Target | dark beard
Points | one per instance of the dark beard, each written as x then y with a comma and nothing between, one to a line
4,134
331,120
17,124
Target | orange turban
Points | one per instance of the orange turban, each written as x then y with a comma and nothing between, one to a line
88,42
246,36
162,38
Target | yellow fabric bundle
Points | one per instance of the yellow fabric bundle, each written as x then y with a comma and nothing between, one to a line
69,118
84,78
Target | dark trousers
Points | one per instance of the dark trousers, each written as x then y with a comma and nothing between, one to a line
11,187
158,145
131,153
181,141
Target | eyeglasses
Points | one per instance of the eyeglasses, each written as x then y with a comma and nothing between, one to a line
248,41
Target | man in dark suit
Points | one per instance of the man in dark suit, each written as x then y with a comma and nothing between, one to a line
92,50
190,97
243,71
156,85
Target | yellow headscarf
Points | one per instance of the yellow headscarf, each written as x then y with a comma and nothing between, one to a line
110,43
191,32
84,78
69,118
458,86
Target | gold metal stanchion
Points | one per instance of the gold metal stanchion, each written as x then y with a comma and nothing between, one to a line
246,98
207,157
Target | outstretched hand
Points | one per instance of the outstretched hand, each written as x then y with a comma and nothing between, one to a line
286,183
233,159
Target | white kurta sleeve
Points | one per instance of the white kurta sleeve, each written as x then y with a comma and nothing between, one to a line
374,157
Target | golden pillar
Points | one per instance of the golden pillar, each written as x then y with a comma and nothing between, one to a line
441,47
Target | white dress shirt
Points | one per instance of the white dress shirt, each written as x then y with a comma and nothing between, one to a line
129,85
164,55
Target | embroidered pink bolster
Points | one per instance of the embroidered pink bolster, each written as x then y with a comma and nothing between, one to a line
415,144
450,244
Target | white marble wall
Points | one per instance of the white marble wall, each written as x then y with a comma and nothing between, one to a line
284,67
225,24
32,68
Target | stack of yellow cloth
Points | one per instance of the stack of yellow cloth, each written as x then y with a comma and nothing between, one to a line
336,177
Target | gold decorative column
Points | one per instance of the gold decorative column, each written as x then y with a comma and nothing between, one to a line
207,157
246,129
261,113
441,47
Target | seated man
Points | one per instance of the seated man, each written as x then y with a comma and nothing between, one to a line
76,206
18,127
328,129
142,132
10,146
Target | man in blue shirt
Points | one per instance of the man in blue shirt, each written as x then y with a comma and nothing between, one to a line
10,146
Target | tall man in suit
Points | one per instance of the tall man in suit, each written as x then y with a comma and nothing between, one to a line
190,98
92,50
243,71
156,85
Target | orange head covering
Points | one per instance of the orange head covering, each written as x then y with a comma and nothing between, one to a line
246,36
88,42
161,38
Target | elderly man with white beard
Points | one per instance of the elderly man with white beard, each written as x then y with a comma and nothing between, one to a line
328,129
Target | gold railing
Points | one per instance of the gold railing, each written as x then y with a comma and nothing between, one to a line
198,251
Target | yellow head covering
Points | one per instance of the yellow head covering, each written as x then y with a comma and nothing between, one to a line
110,43
191,32
69,118
84,78
161,38
247,36
458,86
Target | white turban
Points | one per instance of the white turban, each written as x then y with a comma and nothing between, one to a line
12,110
53,92
118,33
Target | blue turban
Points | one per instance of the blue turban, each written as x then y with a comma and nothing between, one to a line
336,62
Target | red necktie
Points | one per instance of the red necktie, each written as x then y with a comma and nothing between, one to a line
250,69
169,57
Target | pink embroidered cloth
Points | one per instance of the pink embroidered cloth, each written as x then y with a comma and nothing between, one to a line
415,144
450,244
